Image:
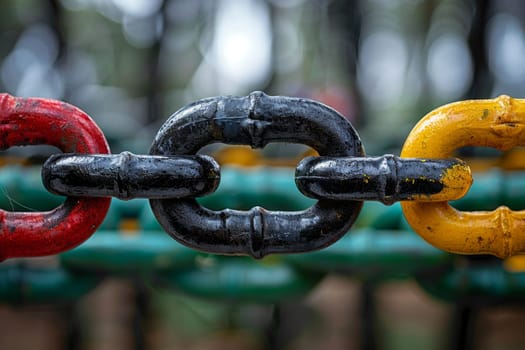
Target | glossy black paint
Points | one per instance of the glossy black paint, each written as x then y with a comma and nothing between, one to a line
127,176
387,178
256,120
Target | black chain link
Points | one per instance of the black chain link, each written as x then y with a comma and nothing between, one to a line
127,176
387,179
256,120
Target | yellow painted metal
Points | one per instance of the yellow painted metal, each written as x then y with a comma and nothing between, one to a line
456,183
497,123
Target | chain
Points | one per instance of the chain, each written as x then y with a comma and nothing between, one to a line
172,175
341,178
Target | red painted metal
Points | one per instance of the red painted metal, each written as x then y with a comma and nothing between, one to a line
36,121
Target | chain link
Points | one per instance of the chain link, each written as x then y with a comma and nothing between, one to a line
387,178
496,123
256,120
127,176
35,121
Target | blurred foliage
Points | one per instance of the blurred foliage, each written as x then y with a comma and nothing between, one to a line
383,64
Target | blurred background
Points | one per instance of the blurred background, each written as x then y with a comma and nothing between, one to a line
383,64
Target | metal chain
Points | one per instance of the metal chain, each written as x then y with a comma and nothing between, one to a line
341,178
256,120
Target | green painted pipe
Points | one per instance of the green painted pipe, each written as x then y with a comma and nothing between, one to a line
494,188
111,252
486,284
161,262
390,218
375,254
22,284
270,187
129,209
148,222
241,279
176,266
365,253
120,209
22,190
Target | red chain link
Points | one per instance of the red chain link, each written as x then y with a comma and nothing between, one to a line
35,121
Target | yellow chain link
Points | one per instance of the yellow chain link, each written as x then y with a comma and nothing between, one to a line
497,123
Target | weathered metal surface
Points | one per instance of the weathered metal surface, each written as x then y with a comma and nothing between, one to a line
497,123
35,121
256,120
387,178
127,176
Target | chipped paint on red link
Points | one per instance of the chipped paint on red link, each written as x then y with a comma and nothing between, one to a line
36,121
